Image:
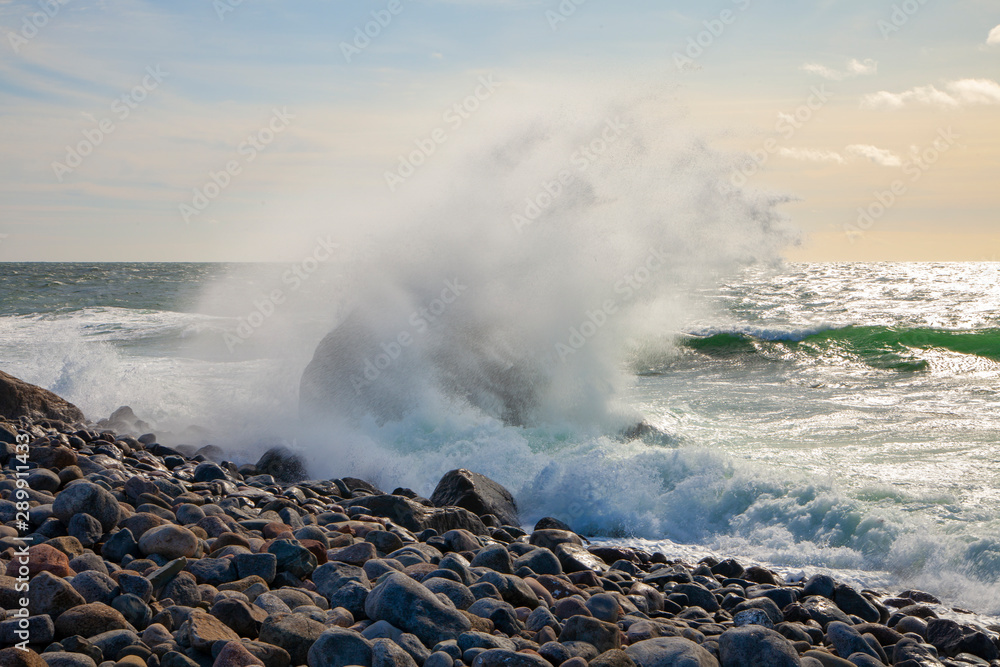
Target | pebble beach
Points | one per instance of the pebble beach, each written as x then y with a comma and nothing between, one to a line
119,551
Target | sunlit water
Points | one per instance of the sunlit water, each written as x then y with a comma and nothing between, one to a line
841,416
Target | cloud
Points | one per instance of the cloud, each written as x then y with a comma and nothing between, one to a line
994,36
880,156
957,94
855,68
811,155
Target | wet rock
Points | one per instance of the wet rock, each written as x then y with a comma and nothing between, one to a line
575,558
282,464
477,493
852,602
502,658
847,640
293,558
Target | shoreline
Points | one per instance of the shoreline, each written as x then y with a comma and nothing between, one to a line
132,542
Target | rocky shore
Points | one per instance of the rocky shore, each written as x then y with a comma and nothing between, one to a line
143,555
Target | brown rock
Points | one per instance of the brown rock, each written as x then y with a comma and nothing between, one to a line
15,657
140,522
88,620
42,557
356,554
55,458
234,654
274,530
68,545
204,630
21,399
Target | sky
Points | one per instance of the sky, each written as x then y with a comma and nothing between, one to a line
240,130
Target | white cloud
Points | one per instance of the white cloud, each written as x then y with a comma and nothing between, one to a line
855,68
957,94
811,155
881,156
994,36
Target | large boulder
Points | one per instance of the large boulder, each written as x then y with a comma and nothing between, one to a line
670,652
282,464
416,517
477,493
382,357
21,399
409,606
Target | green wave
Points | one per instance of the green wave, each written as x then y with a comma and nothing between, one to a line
889,348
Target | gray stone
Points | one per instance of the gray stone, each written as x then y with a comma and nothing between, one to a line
89,561
847,640
603,636
85,528
754,646
112,642
922,655
49,595
852,602
293,558
540,561
263,565
459,594
213,571
765,605
385,653
615,658
477,493
351,596
271,603
575,558
39,630
604,607
339,647
500,658
540,618
331,576
512,589
395,599
699,596
752,617
85,497
496,558
135,611
295,633
672,652
119,545
67,659
243,618
96,586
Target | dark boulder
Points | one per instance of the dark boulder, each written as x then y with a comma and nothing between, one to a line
21,399
477,493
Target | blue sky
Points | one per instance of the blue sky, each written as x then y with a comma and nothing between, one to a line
210,75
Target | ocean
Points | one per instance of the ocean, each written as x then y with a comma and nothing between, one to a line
805,416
